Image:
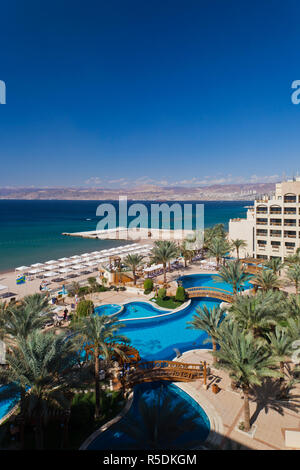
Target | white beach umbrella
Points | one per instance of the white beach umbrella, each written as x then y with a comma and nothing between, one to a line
63,265
36,265
75,257
85,254
51,267
63,259
36,271
52,261
78,267
51,274
65,270
22,268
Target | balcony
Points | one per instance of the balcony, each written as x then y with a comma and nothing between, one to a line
290,222
261,221
290,234
275,222
292,198
290,211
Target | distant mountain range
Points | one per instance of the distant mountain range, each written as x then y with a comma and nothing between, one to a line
225,192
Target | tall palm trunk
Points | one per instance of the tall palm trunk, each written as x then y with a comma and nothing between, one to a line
246,408
97,382
134,276
165,273
237,253
214,346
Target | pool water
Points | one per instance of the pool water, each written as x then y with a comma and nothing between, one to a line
161,337
115,438
206,280
108,309
140,310
8,404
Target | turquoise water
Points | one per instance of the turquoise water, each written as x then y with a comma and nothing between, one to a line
31,231
107,309
115,439
6,405
201,280
158,338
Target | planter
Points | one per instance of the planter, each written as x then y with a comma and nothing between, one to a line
215,388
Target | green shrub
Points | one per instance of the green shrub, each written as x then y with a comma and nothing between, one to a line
83,290
148,285
180,294
162,293
84,308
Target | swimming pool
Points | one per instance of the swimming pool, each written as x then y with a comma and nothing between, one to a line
116,439
206,280
108,309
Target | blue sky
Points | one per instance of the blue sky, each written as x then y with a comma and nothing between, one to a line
165,92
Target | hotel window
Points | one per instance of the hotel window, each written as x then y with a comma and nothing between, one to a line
275,221
290,244
290,198
261,221
290,210
261,210
290,233
262,256
261,232
275,210
290,222
275,233
275,243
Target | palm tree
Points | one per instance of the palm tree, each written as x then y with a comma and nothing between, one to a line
74,288
41,369
218,248
257,314
209,320
237,244
18,321
159,424
217,231
280,345
133,262
247,361
275,264
267,280
234,274
293,306
293,274
293,259
101,332
162,252
185,253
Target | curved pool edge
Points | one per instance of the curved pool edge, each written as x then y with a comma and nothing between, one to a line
107,425
162,315
9,414
216,432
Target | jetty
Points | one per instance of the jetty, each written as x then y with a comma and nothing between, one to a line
139,233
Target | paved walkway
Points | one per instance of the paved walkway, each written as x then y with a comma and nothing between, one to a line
270,417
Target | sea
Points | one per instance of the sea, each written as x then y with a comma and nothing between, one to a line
31,230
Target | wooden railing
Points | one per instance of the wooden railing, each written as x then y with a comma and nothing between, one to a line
213,292
164,370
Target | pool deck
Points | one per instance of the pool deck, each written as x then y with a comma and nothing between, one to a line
225,410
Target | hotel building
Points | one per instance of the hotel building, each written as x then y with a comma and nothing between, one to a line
272,226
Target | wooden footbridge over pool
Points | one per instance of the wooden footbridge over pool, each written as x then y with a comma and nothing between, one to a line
213,292
152,371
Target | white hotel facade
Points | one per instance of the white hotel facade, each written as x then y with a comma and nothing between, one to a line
272,226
